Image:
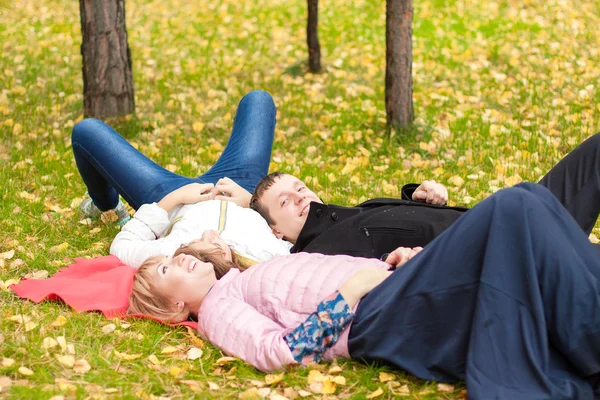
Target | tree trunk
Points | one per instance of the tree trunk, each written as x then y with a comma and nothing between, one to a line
398,57
312,37
107,77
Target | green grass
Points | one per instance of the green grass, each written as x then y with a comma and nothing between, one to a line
502,91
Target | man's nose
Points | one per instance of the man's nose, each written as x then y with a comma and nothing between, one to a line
298,197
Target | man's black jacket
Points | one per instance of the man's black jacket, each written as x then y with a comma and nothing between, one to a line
375,227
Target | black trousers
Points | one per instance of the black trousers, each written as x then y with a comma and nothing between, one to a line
507,299
575,181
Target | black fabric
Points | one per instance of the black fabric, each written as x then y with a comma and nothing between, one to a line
374,227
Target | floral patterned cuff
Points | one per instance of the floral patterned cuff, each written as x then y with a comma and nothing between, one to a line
321,329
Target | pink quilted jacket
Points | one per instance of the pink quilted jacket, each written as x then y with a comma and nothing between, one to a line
248,314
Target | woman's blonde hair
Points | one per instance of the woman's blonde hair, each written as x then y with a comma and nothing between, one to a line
145,299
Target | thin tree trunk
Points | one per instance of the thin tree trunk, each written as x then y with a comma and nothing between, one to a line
107,76
312,36
398,72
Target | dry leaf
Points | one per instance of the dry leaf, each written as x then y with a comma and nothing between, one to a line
5,382
225,360
196,341
213,386
257,383
59,321
81,366
340,380
62,342
403,390
316,387
127,357
7,362
25,371
153,359
276,396
29,326
386,377
59,248
7,255
336,369
49,343
304,393
169,350
111,390
290,393
375,394
445,387
328,387
272,379
315,376
66,360
109,328
175,371
194,353
250,394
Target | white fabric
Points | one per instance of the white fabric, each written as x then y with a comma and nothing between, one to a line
245,231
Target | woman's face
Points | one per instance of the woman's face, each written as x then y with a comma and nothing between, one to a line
184,279
210,241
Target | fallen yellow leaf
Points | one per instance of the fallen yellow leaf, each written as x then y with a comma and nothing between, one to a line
194,353
225,360
66,360
81,366
25,371
445,387
272,379
49,343
375,394
328,387
386,377
59,321
127,357
169,350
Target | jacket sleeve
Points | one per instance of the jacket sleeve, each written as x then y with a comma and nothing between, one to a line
139,238
408,190
241,331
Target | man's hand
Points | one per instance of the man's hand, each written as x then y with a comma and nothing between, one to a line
431,192
226,189
401,255
188,194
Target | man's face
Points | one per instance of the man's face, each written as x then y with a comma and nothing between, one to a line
288,201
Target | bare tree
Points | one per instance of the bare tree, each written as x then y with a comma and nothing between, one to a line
398,57
312,37
107,76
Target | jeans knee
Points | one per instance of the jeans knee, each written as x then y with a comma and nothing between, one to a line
259,97
84,128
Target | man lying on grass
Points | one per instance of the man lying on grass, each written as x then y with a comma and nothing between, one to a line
479,304
377,227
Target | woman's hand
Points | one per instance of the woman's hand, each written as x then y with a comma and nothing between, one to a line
431,192
362,283
226,189
188,194
401,255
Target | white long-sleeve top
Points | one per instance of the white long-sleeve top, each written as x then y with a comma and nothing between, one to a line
153,231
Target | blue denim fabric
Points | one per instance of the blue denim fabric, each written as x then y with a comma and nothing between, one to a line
110,166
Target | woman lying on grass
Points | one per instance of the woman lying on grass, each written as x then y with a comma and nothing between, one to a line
173,209
493,301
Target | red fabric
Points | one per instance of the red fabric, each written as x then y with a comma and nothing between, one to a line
101,284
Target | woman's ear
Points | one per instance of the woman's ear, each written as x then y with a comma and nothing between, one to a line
183,312
180,306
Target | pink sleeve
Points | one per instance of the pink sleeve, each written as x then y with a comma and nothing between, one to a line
241,331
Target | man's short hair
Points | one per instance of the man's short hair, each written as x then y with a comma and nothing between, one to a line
263,185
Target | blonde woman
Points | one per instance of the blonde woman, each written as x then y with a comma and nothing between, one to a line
507,299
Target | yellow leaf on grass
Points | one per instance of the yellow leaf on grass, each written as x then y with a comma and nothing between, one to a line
213,386
249,394
196,341
7,362
336,369
59,248
169,350
340,380
194,353
375,394
175,371
7,255
386,377
273,379
49,343
127,357
315,376
328,387
59,321
108,328
225,360
66,360
153,359
25,371
445,387
81,366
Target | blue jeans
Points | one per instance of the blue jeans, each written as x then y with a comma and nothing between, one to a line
110,166
507,298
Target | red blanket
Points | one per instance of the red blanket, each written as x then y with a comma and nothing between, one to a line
101,284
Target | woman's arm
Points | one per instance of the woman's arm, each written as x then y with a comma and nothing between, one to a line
141,238
240,330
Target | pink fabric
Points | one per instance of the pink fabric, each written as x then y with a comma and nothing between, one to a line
101,284
248,314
